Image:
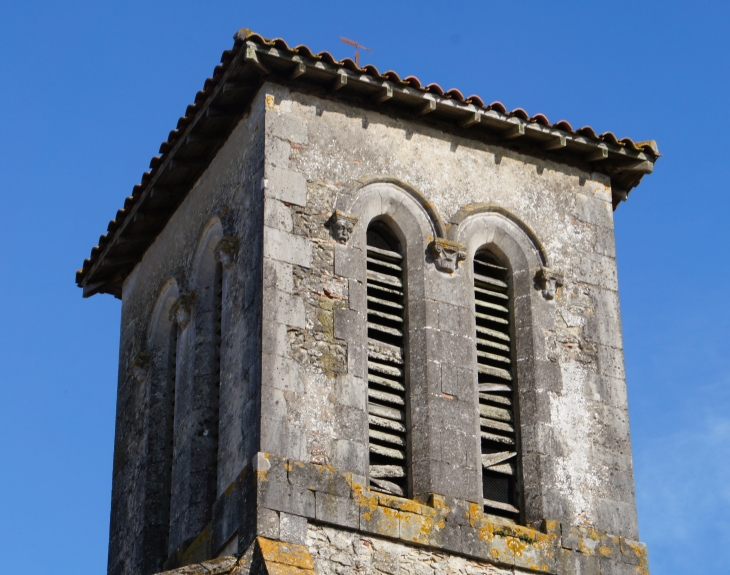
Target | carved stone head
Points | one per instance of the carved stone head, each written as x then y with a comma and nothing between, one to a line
447,254
226,250
341,226
182,309
141,366
549,281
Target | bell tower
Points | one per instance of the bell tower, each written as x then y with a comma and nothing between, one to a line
369,326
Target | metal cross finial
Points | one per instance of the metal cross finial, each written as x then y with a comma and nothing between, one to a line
357,46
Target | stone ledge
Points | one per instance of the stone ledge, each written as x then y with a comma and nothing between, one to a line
281,487
220,566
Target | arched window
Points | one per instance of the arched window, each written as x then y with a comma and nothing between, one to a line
162,385
196,426
207,379
387,379
497,386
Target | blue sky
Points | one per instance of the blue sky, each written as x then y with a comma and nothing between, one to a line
90,89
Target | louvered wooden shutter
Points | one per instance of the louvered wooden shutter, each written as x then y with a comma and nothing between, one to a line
493,301
388,436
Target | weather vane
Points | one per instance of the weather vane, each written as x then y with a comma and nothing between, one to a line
357,46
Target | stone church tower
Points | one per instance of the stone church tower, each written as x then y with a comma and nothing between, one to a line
369,327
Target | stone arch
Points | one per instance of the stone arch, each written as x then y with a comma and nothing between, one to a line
507,238
472,210
204,261
414,228
197,411
346,201
161,320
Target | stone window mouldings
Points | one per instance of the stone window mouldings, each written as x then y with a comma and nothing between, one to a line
389,205
505,238
197,412
161,376
442,455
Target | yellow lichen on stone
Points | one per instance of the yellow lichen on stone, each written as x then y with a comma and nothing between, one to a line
279,569
199,550
403,504
362,497
474,514
516,546
284,553
605,551
583,549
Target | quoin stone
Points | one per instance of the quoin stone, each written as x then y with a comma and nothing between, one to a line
369,327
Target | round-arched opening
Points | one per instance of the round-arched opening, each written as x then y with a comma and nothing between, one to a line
497,385
387,385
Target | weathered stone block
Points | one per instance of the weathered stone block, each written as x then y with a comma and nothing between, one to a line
618,517
382,521
292,528
277,215
352,455
282,373
320,478
281,496
610,566
283,438
286,185
286,247
340,511
478,540
633,552
283,308
349,262
357,295
267,523
351,390
288,127
357,361
458,381
577,564
593,211
348,324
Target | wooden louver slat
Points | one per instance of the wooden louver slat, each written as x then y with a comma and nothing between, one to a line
387,401
495,370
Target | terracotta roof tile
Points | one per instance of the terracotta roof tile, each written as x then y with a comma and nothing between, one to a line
211,86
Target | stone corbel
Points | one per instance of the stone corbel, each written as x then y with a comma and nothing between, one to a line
549,281
141,366
182,309
226,251
341,225
447,254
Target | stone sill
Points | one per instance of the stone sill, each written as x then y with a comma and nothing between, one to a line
322,495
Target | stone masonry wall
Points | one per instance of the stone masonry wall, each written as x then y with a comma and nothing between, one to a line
337,552
231,191
574,418
293,383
